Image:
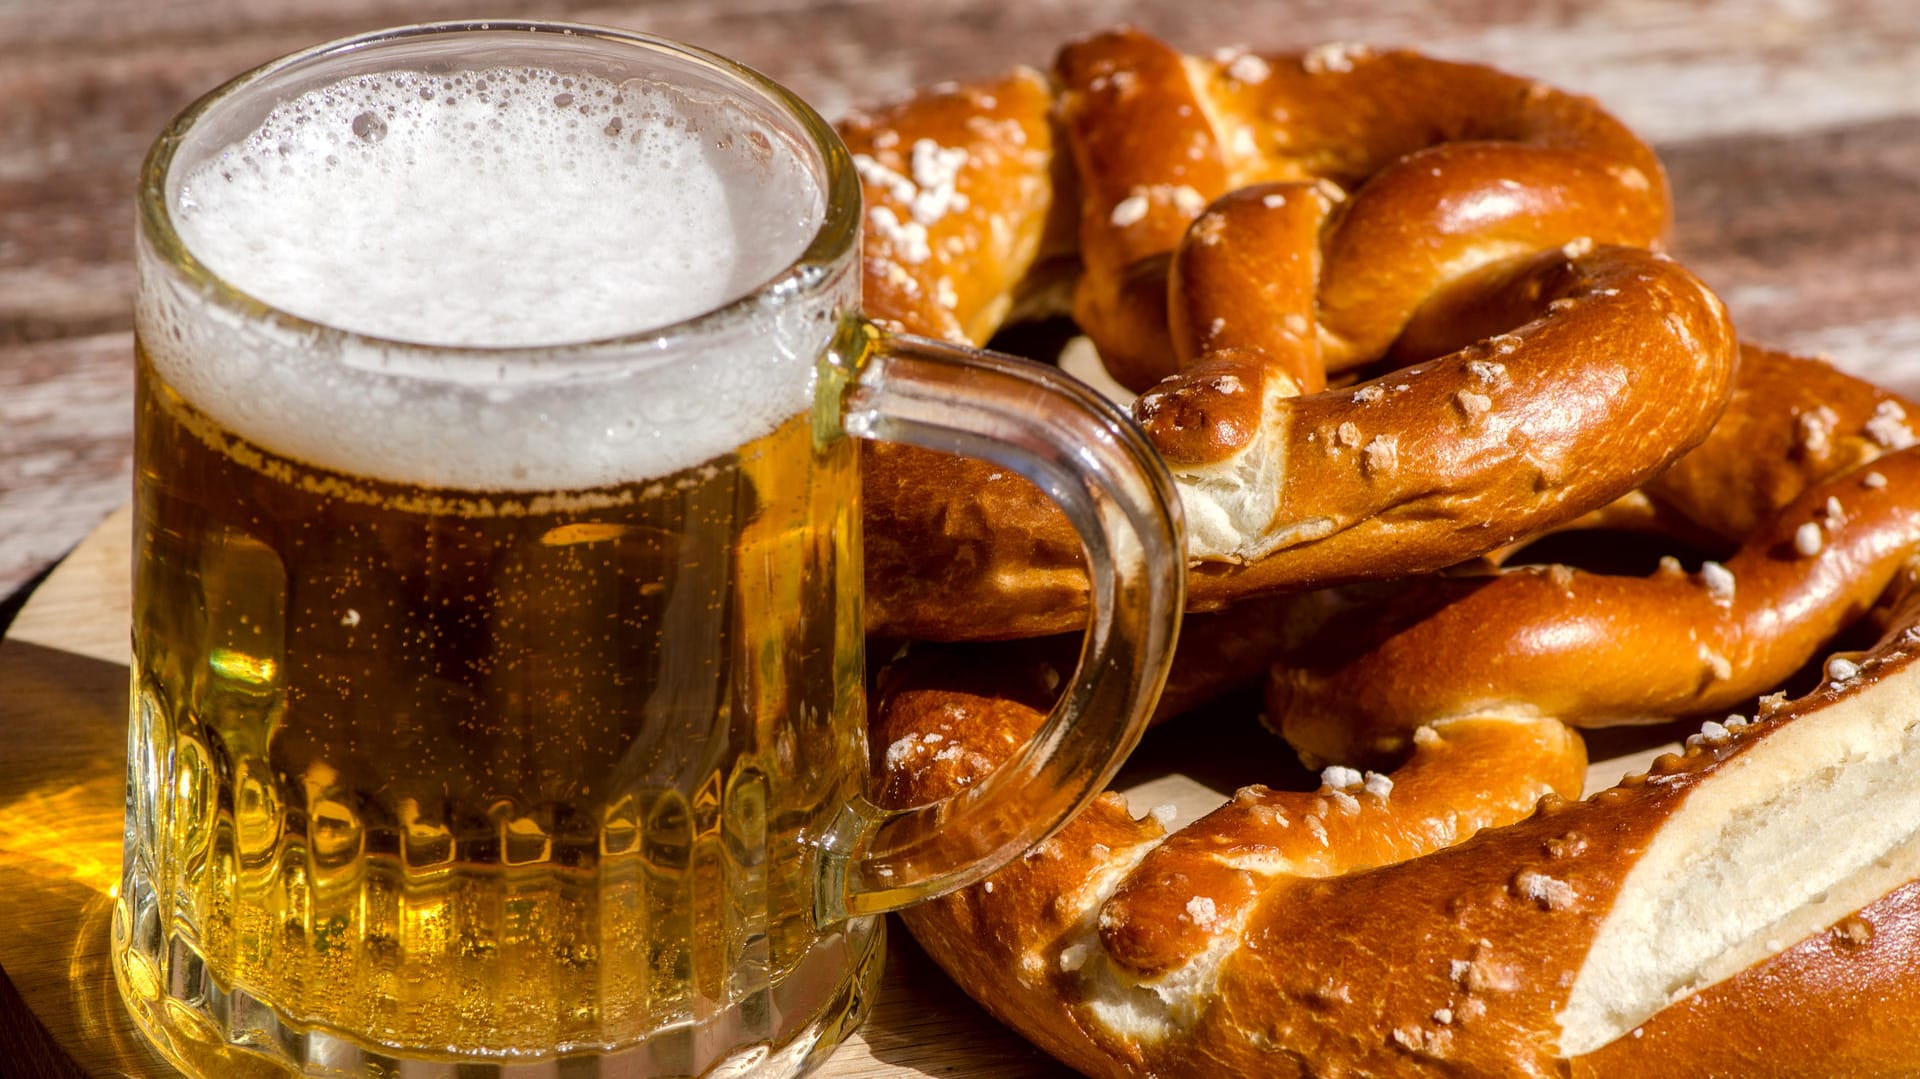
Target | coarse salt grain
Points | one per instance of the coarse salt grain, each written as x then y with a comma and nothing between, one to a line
1332,57
936,170
1128,211
909,238
1383,453
1473,405
1888,427
901,749
1488,372
1719,581
1340,777
1550,893
1807,539
1815,430
1249,69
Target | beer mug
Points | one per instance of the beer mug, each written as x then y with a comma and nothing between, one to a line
497,702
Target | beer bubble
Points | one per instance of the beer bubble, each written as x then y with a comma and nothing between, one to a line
368,127
561,101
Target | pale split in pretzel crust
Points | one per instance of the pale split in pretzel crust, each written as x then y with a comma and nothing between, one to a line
1380,183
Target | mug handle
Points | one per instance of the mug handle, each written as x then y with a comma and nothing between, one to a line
1114,488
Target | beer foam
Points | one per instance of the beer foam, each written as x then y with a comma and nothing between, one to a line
516,207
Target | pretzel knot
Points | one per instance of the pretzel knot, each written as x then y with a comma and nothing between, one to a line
1247,226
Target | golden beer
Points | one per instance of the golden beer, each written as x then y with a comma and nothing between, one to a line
497,686
449,764
516,741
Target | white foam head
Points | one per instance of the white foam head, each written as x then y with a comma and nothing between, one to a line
501,207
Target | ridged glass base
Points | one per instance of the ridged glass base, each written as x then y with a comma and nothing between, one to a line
219,1032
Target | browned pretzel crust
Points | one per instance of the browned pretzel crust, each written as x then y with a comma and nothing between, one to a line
1428,921
1451,166
1541,639
1460,183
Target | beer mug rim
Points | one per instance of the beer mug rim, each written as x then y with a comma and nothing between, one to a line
822,260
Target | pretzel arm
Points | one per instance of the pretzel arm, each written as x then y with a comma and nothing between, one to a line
1113,899
1456,456
1532,639
1148,162
1791,422
964,200
1449,166
1427,923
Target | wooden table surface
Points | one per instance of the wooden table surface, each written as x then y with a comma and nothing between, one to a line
1790,129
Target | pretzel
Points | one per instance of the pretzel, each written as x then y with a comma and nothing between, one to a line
1125,950
1217,245
1231,232
1472,934
1800,451
1430,921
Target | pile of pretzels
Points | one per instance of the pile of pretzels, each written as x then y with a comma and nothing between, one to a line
1390,321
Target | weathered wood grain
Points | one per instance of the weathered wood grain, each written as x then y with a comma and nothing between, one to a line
1812,238
66,445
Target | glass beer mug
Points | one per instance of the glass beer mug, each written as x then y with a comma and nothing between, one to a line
498,677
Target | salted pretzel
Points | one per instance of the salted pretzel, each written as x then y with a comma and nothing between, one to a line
1438,916
1742,909
1457,911
1793,475
1233,230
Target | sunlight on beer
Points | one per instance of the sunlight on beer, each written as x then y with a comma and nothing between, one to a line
240,667
582,532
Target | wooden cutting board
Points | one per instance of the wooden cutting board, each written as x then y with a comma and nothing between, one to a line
63,704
